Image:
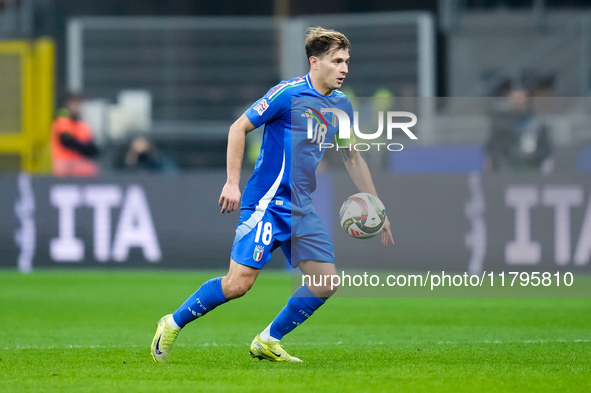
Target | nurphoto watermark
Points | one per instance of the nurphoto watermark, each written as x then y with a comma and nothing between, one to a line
317,127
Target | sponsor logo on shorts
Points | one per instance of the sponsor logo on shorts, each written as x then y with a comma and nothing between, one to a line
261,106
258,253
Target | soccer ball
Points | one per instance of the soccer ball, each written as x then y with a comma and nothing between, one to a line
362,215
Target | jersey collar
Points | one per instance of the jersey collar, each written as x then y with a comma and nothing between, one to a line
309,82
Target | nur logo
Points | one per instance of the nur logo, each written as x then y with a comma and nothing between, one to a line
317,130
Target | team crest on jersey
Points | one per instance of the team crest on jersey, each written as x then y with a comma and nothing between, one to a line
261,106
258,253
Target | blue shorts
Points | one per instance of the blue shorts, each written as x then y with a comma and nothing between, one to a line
301,237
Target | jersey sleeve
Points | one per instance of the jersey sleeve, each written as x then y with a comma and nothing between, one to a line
271,106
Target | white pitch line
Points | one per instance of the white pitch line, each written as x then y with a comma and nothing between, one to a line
570,341
578,340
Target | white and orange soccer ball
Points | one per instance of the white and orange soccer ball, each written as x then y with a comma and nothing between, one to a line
362,215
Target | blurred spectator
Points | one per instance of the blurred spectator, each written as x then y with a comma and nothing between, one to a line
72,145
143,155
519,139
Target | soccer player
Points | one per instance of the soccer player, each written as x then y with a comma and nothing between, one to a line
276,208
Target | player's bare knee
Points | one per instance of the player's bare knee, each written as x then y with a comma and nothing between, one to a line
324,291
329,291
238,291
334,289
235,288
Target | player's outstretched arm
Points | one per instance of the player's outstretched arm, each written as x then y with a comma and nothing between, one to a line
359,172
230,196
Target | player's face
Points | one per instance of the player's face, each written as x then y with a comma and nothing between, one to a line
332,70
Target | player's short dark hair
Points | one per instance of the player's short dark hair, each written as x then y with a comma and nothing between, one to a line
320,41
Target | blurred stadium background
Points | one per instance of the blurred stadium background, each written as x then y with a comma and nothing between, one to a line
177,73
499,180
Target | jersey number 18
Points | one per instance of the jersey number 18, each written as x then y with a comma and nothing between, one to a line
267,231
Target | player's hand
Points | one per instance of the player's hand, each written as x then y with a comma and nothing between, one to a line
387,234
229,198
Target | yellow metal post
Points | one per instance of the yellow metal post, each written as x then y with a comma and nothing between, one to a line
26,99
43,107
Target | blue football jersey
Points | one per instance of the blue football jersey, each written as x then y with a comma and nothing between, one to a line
285,171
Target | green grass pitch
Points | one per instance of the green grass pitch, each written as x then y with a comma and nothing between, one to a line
91,332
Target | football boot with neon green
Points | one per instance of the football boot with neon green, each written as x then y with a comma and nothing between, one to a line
270,350
163,340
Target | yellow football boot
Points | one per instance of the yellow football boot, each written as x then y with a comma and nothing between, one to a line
163,340
272,351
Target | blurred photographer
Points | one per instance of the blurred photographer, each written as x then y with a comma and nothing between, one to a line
72,145
519,139
142,155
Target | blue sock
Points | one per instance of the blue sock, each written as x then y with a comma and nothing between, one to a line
300,306
208,296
